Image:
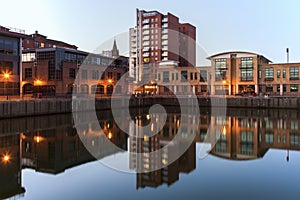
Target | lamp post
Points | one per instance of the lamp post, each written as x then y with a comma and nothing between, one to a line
6,77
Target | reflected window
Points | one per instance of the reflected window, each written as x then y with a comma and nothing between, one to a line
294,125
294,139
269,124
269,138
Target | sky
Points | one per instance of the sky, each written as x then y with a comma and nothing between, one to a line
266,27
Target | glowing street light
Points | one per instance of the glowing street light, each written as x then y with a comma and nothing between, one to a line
109,80
38,82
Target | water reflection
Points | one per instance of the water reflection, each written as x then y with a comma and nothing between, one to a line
50,144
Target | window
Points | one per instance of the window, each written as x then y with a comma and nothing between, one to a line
278,87
95,74
284,87
246,69
102,75
203,88
166,77
28,73
259,74
72,73
84,74
246,142
172,76
42,44
278,73
109,75
294,88
203,76
269,76
196,76
118,76
36,44
269,88
220,69
177,76
184,76
191,76
294,73
158,76
283,73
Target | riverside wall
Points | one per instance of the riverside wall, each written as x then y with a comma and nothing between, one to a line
23,108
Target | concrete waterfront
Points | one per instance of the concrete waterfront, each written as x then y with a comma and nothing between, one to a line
24,108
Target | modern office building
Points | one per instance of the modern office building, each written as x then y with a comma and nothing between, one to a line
158,37
52,71
240,72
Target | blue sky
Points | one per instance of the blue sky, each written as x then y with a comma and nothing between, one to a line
267,27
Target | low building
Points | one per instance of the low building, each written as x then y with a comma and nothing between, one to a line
172,79
279,79
10,64
52,72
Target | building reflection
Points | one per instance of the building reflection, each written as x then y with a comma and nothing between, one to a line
55,146
152,156
10,166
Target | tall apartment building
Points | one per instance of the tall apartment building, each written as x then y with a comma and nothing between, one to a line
158,37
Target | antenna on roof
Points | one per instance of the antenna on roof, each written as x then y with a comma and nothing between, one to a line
287,55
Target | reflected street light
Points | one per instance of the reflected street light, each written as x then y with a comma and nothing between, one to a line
6,158
6,77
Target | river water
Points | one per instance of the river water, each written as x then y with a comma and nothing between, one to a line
252,154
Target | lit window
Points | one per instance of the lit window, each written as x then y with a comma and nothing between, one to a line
294,88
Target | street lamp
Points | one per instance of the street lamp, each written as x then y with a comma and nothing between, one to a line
6,77
38,82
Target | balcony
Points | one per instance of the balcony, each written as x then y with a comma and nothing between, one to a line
146,37
164,31
164,48
147,43
164,37
165,19
146,26
146,55
165,25
164,54
146,21
165,42
146,32
145,49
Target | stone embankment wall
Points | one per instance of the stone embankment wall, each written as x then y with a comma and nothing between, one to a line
24,108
